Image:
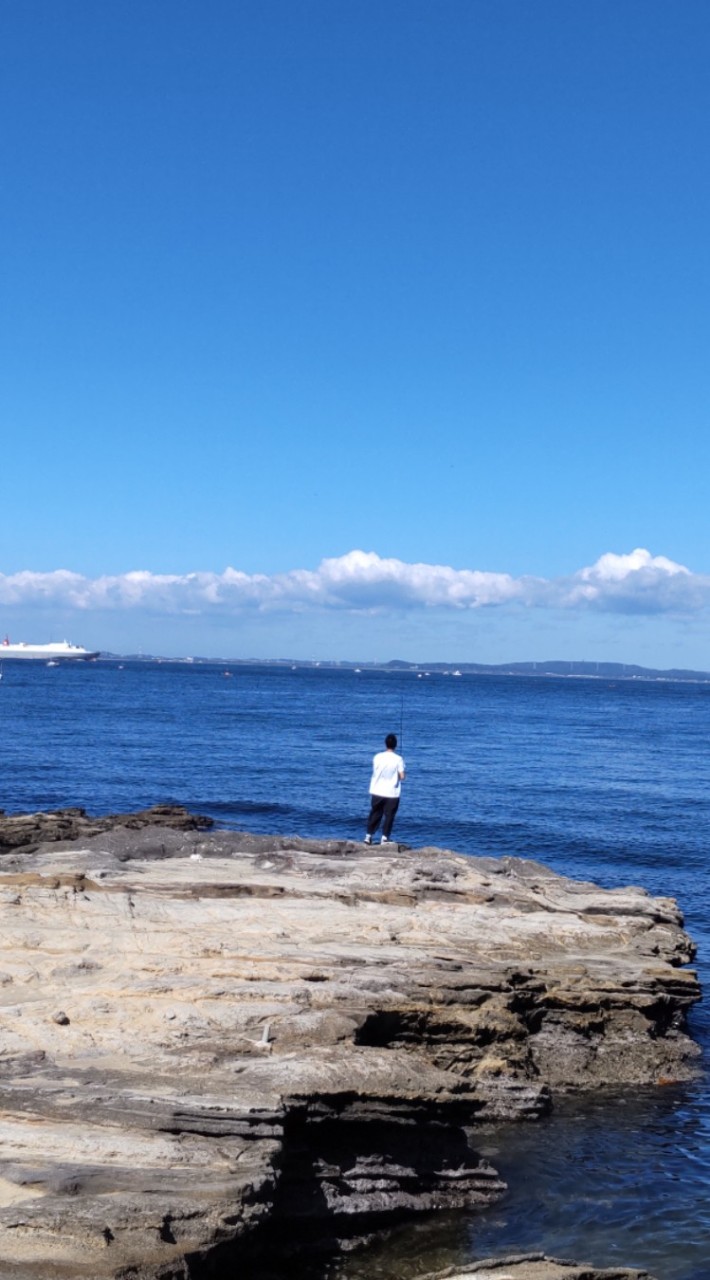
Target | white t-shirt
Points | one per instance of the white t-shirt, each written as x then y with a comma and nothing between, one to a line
386,768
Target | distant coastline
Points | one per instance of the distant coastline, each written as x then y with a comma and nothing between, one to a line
558,668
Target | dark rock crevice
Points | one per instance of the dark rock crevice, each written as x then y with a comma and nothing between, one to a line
349,1170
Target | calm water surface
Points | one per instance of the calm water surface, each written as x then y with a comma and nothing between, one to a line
600,780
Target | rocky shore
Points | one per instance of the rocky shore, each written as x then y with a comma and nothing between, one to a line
212,1042
535,1266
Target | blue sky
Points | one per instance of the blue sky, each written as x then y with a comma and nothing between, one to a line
366,329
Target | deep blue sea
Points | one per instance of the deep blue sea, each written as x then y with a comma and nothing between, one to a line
602,780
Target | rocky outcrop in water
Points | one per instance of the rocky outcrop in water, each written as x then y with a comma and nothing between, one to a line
535,1266
27,831
212,1040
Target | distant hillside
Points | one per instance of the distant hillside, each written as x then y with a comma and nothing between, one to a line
595,670
589,670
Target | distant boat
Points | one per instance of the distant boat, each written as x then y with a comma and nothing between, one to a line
52,662
60,651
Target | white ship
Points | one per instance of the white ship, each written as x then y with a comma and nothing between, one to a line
59,651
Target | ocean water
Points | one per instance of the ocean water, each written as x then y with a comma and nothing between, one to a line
601,780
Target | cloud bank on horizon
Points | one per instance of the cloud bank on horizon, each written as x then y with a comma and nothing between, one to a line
360,581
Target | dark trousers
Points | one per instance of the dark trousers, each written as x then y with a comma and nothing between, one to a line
382,810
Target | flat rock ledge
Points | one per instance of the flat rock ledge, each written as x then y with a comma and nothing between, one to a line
535,1266
212,1041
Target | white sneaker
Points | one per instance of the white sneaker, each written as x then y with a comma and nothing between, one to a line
386,840
368,839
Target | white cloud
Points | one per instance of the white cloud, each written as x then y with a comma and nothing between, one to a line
611,567
363,581
638,583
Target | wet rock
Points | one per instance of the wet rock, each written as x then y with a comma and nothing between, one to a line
270,1034
26,831
535,1266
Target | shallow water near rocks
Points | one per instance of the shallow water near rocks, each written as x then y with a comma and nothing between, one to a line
612,1181
604,781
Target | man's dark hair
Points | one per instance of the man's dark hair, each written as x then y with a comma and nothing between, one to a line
391,741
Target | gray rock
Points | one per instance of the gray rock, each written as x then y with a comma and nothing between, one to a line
28,830
535,1266
262,1030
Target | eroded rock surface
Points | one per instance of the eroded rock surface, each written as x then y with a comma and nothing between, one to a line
28,830
204,1033
535,1266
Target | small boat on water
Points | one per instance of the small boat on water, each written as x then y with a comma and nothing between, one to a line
58,651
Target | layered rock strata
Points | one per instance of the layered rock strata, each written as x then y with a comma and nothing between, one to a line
205,1035
26,831
535,1266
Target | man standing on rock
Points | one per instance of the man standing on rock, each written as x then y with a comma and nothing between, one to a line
385,787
